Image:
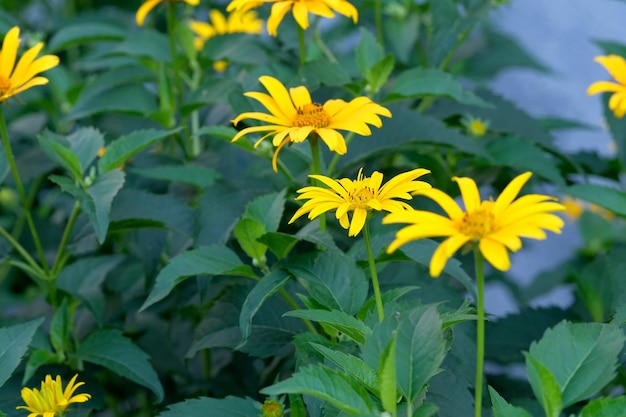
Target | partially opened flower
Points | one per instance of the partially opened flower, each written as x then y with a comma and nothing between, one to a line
237,22
299,8
16,78
294,117
475,126
148,5
51,400
359,196
495,225
616,66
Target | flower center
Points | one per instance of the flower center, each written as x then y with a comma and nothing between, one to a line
5,85
477,224
312,114
362,197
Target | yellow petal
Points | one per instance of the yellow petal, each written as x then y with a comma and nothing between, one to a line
300,96
603,87
333,139
280,94
445,250
445,201
510,192
278,13
615,65
144,9
495,253
469,192
358,221
9,51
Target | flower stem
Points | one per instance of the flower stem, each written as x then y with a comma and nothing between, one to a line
373,273
25,255
379,23
302,46
20,189
480,331
58,261
316,169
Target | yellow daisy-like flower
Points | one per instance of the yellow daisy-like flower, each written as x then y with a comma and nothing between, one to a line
475,126
300,10
495,225
51,400
16,78
294,116
148,5
237,22
360,196
616,66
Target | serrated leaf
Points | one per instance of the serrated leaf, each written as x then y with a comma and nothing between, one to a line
328,385
59,327
386,297
83,279
581,356
37,359
265,288
61,154
338,320
205,260
110,349
126,99
323,72
422,82
267,210
14,341
544,386
279,243
387,377
197,176
247,231
83,33
351,365
501,408
605,407
124,147
209,407
368,53
609,198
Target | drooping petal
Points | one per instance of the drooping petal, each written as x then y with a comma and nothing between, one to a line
144,9
301,14
446,249
604,87
358,221
495,253
279,10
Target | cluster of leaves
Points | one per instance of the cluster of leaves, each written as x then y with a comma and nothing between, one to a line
182,276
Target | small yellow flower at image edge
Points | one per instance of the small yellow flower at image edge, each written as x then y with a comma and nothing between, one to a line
616,66
294,116
51,400
359,196
148,5
15,79
496,226
300,10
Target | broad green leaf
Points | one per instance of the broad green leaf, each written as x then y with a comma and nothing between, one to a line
198,176
82,33
74,152
338,320
127,99
110,349
37,359
609,198
60,153
83,279
368,53
328,385
403,32
387,378
581,356
544,386
241,48
279,243
332,278
205,260
60,327
145,43
323,72
14,342
379,74
501,408
351,365
265,288
267,210
102,192
85,144
422,82
387,297
213,407
296,406
605,407
124,147
247,232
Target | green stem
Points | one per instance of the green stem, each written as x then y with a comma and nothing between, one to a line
379,23
292,303
373,273
23,253
316,169
58,262
302,46
20,188
480,331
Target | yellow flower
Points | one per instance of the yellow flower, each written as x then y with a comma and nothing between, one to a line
148,5
616,66
475,127
573,207
294,116
300,10
16,78
51,400
359,196
237,22
495,225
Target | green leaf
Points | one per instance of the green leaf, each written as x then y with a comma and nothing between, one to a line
82,33
605,407
544,386
503,409
329,385
127,99
241,48
323,72
368,53
222,407
83,279
422,82
387,297
379,73
198,176
37,359
609,198
265,288
338,320
110,349
124,147
267,210
205,260
279,243
581,356
387,377
14,342
60,327
145,43
247,231
61,154
352,366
